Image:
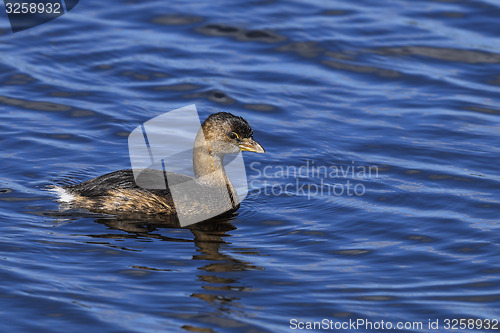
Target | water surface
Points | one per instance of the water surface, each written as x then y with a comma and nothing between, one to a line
406,88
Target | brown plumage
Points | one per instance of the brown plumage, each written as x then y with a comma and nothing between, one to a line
117,192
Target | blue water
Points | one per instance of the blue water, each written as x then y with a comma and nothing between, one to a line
409,89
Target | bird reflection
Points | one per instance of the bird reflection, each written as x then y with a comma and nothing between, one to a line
221,285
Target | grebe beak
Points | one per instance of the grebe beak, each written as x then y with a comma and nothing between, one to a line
249,144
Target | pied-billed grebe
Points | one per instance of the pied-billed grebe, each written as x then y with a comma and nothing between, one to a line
117,192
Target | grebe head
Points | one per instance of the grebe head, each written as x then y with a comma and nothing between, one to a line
226,133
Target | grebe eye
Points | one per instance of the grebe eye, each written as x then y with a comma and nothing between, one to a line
233,135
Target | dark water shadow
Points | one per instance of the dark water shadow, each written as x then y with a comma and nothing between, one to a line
240,34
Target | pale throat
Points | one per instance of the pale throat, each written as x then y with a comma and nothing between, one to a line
208,166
